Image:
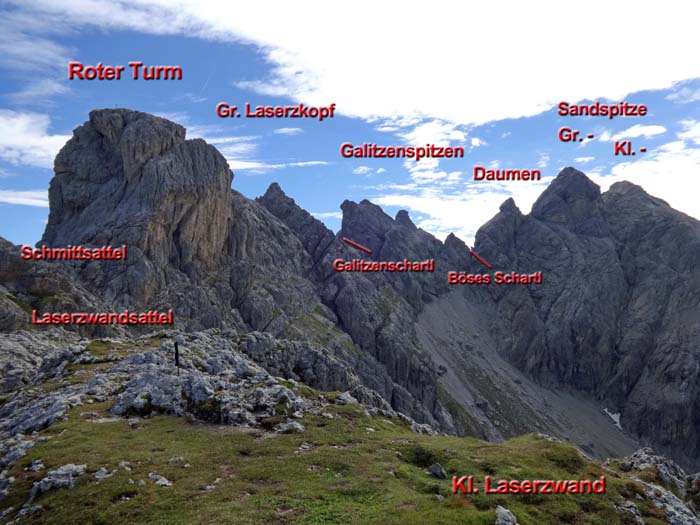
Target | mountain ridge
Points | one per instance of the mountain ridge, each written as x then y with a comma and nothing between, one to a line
487,361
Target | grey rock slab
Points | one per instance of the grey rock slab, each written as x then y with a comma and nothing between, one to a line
160,480
63,477
104,473
437,471
290,427
505,517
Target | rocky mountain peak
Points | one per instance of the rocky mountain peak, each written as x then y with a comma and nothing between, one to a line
274,190
570,187
572,200
366,223
311,232
111,123
455,249
275,197
404,219
365,213
626,187
126,177
452,239
500,232
614,318
574,181
138,136
632,192
509,206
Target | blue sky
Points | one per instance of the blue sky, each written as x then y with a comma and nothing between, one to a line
495,101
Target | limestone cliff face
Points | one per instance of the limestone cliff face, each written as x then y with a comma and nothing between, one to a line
213,256
131,178
614,324
313,234
618,315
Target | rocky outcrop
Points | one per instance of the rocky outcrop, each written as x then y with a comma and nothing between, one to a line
313,234
23,353
665,484
668,471
128,178
26,286
618,307
63,477
505,517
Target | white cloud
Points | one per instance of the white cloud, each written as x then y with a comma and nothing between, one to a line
427,172
583,160
26,51
38,198
32,57
263,167
684,94
366,170
288,131
476,142
543,161
670,173
327,214
25,139
463,209
194,98
179,117
239,150
638,130
212,133
438,106
691,131
411,186
230,140
462,212
397,121
252,165
306,163
39,92
436,132
306,71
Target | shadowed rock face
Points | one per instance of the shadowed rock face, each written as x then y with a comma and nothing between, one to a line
131,178
38,285
615,323
619,313
313,234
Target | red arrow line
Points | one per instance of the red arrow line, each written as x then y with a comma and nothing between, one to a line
358,246
480,259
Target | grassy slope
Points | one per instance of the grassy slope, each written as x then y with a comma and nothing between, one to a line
351,475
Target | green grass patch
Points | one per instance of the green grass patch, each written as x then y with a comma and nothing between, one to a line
349,474
104,349
24,305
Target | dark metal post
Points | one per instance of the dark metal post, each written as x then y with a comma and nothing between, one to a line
177,358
